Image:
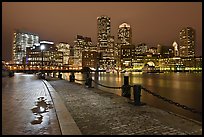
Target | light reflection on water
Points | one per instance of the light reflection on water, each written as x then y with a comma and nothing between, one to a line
184,88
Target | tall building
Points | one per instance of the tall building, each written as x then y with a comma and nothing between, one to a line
104,41
176,49
22,40
65,48
81,44
187,42
78,47
104,30
125,47
125,34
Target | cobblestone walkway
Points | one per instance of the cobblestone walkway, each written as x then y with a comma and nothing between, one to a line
101,113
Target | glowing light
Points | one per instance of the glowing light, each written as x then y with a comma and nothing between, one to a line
46,42
42,109
42,47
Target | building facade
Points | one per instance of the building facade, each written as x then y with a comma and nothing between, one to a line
90,59
103,39
176,49
65,48
81,44
49,57
187,42
124,44
22,40
140,49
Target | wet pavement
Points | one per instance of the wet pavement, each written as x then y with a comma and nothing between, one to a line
22,109
100,113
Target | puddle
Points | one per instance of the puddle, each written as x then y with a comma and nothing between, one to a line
37,120
41,106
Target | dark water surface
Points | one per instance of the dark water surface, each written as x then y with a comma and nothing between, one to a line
184,88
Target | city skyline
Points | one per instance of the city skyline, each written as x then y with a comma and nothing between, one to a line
48,20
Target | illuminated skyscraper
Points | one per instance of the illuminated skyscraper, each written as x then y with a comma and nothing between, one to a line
65,48
187,42
125,47
82,44
103,24
105,43
176,51
22,40
124,34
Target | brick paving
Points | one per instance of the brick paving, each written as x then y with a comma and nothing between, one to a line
19,94
100,113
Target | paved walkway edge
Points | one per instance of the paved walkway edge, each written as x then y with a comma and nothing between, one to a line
67,124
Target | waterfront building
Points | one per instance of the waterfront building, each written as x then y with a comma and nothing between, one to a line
152,50
165,51
187,42
124,34
22,40
78,48
51,56
176,49
140,49
103,39
81,44
127,55
65,48
90,59
125,48
110,60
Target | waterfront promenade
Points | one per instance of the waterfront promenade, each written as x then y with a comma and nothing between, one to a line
101,113
93,111
20,98
19,94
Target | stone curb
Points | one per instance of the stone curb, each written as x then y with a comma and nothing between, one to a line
67,124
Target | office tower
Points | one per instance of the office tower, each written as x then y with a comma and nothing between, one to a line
78,47
82,44
103,35
103,26
22,40
125,47
187,42
125,34
65,48
176,50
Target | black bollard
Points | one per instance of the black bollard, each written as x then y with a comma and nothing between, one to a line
89,82
126,87
72,77
137,94
60,76
87,78
126,80
11,73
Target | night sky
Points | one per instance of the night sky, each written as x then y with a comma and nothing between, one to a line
151,22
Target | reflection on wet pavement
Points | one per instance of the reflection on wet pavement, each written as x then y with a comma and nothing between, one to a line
41,106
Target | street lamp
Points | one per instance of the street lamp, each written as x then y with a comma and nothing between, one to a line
42,47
